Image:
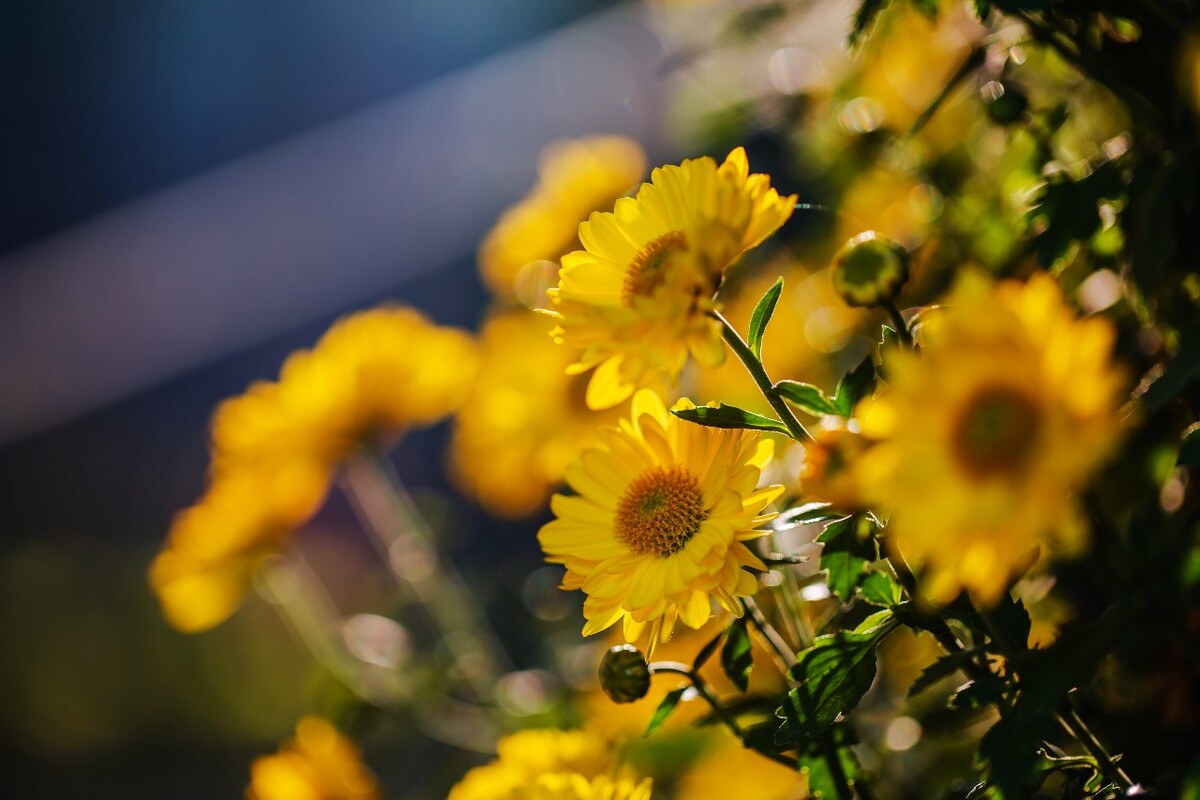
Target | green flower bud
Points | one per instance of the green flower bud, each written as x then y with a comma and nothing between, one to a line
624,674
870,270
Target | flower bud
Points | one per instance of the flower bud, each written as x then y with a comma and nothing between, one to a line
870,269
624,674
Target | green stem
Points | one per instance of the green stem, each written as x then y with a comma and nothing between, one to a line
898,323
786,656
719,710
755,367
407,546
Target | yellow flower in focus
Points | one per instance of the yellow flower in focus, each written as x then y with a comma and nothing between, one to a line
986,433
526,755
659,524
728,770
373,374
527,418
319,764
636,298
576,177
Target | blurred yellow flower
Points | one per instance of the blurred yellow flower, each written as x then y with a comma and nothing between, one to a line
986,433
636,298
527,418
274,449
571,786
828,474
319,764
728,770
659,524
524,756
214,547
576,177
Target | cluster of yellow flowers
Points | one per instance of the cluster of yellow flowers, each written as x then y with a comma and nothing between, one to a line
974,449
276,447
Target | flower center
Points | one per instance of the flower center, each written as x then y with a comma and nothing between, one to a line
646,272
660,511
996,434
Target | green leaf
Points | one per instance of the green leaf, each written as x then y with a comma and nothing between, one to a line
944,667
833,675
707,651
1012,621
1068,211
1189,449
864,17
805,514
761,316
879,589
736,658
978,693
854,385
724,416
806,397
845,554
822,781
664,709
1182,370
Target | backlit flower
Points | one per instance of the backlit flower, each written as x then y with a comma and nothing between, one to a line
576,177
658,526
318,764
526,418
373,375
525,756
986,434
636,298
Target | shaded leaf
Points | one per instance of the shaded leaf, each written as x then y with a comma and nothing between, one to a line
707,651
977,693
724,416
944,667
1068,211
854,385
736,658
822,781
1012,621
833,675
761,316
665,708
806,397
866,14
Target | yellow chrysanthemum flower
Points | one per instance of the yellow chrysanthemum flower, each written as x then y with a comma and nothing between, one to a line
527,418
636,298
524,756
318,764
274,449
214,547
986,433
576,177
660,521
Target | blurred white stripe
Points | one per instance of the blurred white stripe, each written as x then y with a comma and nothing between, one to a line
327,219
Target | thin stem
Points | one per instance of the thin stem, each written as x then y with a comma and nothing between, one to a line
390,516
787,657
719,710
783,652
754,366
898,323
